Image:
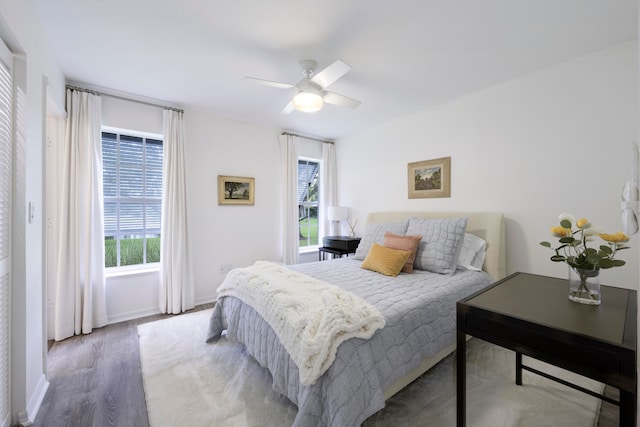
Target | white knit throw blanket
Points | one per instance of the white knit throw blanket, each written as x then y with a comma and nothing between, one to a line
310,317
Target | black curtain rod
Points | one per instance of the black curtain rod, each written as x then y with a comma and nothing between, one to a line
328,141
95,92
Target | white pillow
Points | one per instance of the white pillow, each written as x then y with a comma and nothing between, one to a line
472,253
375,234
441,241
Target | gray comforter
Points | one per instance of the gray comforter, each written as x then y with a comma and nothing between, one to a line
419,310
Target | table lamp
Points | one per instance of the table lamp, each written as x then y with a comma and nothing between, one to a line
336,214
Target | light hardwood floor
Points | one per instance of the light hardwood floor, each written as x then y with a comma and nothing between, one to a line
95,380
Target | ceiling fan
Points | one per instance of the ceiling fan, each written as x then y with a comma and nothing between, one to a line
310,93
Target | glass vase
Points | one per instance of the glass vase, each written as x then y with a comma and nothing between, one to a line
584,286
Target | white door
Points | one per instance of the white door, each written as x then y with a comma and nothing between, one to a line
6,145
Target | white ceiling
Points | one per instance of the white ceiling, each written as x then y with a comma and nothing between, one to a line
406,55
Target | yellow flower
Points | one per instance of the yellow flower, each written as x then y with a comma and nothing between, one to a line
574,242
560,231
618,237
582,223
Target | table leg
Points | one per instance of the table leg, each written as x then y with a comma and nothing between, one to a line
628,405
461,373
518,368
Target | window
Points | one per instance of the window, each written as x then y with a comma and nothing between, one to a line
132,174
308,198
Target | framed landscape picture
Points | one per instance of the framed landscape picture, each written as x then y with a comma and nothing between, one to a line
430,178
236,190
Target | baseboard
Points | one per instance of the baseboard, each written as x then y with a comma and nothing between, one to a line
27,417
206,300
131,315
122,317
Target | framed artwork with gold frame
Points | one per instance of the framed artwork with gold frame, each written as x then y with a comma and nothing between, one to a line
236,190
429,178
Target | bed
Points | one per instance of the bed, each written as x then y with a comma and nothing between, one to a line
419,310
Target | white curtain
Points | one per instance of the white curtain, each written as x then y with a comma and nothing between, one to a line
328,189
290,218
80,293
176,283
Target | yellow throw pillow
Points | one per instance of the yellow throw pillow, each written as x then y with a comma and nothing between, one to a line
405,243
385,260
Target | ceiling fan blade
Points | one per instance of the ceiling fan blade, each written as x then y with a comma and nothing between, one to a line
330,74
340,100
288,109
270,83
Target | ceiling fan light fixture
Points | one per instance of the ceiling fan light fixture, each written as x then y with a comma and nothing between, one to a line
307,102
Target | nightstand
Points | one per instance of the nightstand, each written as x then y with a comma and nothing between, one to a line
532,316
338,245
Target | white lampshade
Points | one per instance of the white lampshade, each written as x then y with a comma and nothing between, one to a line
307,101
337,213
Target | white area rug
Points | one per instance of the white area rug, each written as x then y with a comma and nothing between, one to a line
189,382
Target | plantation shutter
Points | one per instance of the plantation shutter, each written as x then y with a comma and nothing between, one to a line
6,118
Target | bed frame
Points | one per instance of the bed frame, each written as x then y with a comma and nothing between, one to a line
486,225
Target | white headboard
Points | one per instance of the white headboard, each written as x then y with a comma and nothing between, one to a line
486,225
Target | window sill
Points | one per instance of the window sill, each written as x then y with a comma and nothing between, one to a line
308,249
132,271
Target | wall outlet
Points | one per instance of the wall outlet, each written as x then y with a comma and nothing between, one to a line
225,268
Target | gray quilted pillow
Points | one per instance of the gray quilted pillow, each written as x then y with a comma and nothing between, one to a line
441,242
375,234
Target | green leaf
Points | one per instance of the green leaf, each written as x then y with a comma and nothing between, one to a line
606,250
565,223
595,258
585,265
546,244
617,263
606,263
558,258
567,240
580,259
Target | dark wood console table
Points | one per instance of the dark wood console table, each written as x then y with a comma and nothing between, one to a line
532,315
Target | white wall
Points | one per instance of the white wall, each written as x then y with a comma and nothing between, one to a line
135,294
19,28
230,236
514,148
131,115
555,141
227,234
220,235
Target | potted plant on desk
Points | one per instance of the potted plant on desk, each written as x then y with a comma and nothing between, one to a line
585,262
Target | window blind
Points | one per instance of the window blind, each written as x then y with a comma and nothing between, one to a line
132,186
